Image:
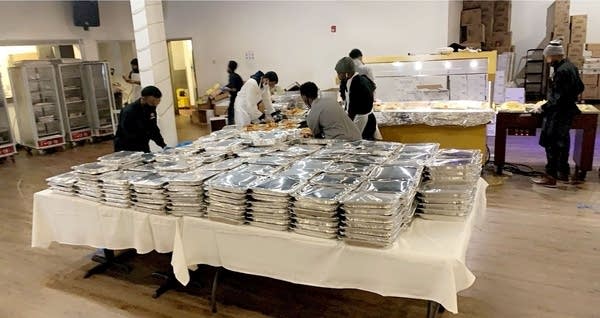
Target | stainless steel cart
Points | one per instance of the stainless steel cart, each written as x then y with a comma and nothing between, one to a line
37,105
77,119
7,143
100,97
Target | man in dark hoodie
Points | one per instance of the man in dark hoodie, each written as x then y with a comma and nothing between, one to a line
558,114
233,87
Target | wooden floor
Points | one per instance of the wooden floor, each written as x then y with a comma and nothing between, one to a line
536,254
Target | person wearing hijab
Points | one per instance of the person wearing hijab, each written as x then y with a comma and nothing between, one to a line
357,93
361,68
256,90
326,119
558,113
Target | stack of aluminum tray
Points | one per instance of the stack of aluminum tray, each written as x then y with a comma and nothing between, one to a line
123,159
416,154
450,182
265,138
204,159
224,165
315,211
149,194
180,165
89,176
115,187
63,183
253,152
272,161
226,193
185,193
270,201
261,170
229,146
375,219
383,206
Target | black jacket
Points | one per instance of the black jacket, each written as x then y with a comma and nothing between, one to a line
235,82
361,102
565,87
137,126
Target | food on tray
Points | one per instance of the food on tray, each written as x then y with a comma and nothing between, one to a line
513,106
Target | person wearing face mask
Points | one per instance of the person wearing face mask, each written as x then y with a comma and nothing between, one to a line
138,123
357,93
558,114
326,119
255,91
133,78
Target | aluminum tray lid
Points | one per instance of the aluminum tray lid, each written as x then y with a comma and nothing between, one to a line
337,179
122,177
93,168
421,148
388,186
235,180
299,150
397,173
366,158
350,167
179,166
310,164
224,165
121,157
256,151
152,180
321,194
458,153
370,199
262,170
68,178
284,185
272,160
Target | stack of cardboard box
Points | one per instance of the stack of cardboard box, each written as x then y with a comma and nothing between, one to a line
557,21
486,24
577,39
591,71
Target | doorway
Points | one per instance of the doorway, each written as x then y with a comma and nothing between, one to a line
183,74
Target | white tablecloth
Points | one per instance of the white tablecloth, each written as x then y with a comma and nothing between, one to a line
427,261
75,221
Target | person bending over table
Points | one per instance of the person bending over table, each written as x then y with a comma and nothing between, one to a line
558,114
138,123
326,118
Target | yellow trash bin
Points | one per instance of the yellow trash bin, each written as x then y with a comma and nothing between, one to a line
183,99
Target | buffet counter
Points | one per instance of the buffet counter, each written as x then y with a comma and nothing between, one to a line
452,124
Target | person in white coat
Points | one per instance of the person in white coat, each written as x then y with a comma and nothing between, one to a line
256,90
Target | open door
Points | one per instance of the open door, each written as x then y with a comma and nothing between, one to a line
183,74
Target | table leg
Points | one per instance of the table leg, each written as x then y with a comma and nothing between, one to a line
213,294
433,308
171,282
109,260
500,145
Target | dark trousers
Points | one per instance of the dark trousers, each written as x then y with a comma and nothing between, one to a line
369,132
556,140
231,111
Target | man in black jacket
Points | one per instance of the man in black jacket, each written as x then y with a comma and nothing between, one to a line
137,123
233,87
357,92
558,114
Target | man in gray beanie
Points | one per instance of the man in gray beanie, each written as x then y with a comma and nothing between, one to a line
558,113
357,92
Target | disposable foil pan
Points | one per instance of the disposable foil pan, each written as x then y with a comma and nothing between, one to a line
365,199
262,170
154,181
421,148
321,194
270,226
309,213
278,186
224,165
68,178
315,228
235,181
316,206
388,186
396,173
93,168
336,179
350,167
218,218
366,159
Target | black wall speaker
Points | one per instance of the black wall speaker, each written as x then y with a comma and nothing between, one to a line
86,14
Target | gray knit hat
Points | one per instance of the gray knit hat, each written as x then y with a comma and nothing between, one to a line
554,48
345,65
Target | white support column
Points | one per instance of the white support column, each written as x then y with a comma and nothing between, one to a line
153,59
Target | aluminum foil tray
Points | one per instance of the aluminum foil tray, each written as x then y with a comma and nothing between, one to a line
261,170
350,167
321,194
237,182
278,186
93,168
388,186
397,173
336,179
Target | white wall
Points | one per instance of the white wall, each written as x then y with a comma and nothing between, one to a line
294,38
22,21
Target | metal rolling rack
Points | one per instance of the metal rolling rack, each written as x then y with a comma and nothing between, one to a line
7,143
74,101
37,105
100,98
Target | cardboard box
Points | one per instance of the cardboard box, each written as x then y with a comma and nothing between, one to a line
594,71
575,50
591,92
594,48
471,4
579,21
472,16
502,14
558,13
561,32
502,39
474,33
220,110
589,79
577,61
593,60
505,49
